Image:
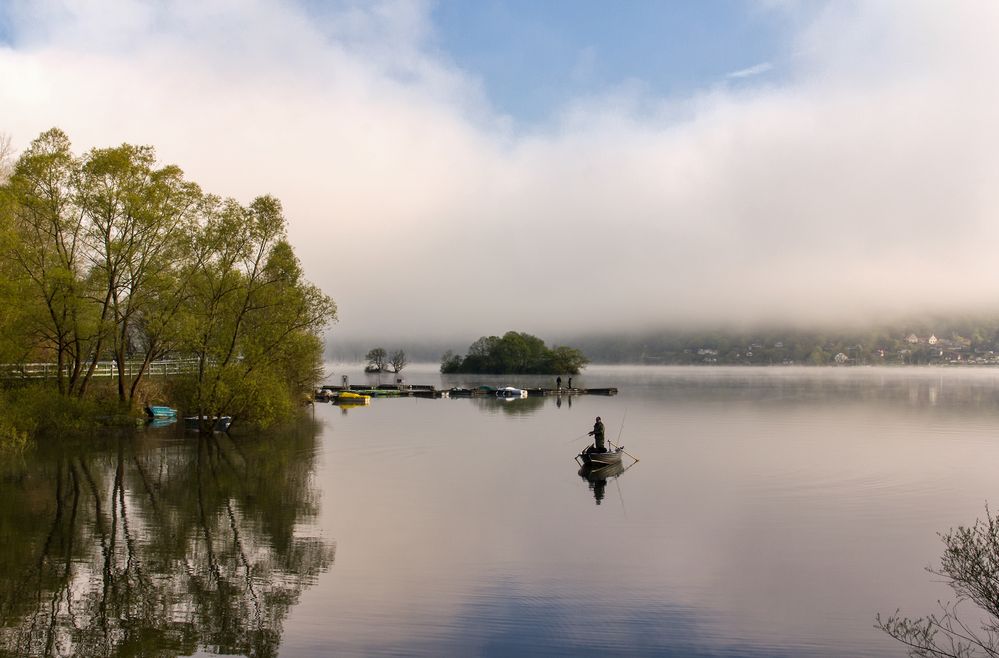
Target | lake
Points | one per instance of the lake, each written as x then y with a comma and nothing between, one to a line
773,512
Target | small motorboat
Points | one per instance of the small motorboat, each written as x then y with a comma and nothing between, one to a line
351,398
511,392
590,458
161,412
220,424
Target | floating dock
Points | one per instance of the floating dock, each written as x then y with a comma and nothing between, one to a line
427,391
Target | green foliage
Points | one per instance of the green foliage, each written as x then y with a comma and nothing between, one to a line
110,256
514,353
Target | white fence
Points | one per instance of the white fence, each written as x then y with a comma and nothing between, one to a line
102,369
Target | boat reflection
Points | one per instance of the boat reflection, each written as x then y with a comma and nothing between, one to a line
598,475
510,407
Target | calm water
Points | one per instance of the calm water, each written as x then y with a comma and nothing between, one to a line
773,513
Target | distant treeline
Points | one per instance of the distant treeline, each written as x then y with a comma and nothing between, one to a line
514,353
953,341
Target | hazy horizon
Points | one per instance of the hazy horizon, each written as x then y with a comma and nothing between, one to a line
570,168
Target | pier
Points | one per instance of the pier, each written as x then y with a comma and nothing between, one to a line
428,391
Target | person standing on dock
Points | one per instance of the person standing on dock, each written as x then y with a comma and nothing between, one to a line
558,383
570,384
598,436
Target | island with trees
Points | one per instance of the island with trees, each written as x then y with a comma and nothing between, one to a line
515,354
379,360
111,257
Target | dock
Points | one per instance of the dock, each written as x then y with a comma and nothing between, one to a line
428,391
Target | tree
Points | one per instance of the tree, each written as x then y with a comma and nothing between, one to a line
376,359
398,360
251,321
451,362
567,359
49,252
970,565
514,353
6,157
138,219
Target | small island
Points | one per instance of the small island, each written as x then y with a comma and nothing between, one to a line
514,354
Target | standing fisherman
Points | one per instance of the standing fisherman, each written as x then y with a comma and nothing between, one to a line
558,383
598,437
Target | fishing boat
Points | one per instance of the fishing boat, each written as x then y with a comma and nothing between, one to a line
220,424
594,472
161,412
612,456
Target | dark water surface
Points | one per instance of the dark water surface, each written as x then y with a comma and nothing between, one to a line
773,513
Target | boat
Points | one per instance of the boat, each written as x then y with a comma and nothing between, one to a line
221,423
161,412
349,397
613,456
511,392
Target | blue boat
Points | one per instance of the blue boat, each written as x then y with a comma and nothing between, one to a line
161,412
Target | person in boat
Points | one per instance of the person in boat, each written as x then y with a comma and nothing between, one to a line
598,437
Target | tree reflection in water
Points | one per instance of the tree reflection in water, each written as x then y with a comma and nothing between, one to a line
158,549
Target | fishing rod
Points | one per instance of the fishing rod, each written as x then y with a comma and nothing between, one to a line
619,437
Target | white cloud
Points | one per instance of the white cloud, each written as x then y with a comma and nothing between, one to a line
751,71
867,182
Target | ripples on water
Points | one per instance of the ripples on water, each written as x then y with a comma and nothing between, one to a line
773,512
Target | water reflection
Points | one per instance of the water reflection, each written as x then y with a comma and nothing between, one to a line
597,477
512,407
152,544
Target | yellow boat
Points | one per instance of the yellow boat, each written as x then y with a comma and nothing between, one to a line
349,397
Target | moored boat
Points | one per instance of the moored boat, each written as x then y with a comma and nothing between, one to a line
220,424
511,392
161,412
349,397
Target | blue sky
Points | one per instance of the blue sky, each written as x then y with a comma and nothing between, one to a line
533,56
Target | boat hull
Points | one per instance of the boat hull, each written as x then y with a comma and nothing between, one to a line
598,459
161,412
220,424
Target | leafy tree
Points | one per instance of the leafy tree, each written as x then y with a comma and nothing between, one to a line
398,360
567,359
49,252
970,565
514,353
138,218
376,359
451,362
250,317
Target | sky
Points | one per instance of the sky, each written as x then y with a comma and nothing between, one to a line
456,169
